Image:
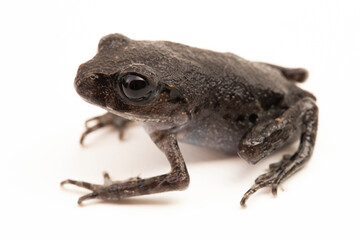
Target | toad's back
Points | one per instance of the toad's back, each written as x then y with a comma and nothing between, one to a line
232,96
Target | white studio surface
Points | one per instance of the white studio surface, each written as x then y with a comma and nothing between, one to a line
44,42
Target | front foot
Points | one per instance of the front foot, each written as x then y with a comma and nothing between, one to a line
108,119
277,173
177,179
110,190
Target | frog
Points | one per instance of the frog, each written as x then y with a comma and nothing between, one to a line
215,100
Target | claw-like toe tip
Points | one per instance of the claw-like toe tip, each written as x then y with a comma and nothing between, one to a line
87,197
243,203
106,174
64,182
121,135
82,138
274,190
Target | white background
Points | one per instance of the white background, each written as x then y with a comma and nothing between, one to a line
42,44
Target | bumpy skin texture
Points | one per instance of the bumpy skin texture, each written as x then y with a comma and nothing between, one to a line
214,100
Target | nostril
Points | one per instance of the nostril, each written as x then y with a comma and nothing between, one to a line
93,87
98,79
93,77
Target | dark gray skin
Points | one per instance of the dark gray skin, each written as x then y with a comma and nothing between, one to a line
214,100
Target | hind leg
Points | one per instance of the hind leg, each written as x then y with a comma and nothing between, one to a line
266,137
292,74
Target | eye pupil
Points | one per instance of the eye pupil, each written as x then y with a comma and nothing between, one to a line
137,84
135,87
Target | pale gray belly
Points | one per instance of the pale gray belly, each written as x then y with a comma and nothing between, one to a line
215,135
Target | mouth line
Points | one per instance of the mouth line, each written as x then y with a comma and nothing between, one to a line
133,117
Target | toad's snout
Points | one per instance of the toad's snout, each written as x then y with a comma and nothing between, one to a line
92,88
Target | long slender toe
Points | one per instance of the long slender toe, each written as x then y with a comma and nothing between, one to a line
250,192
87,197
86,185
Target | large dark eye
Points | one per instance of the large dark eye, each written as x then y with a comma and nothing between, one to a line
135,87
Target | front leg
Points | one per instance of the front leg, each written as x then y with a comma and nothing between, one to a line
176,179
